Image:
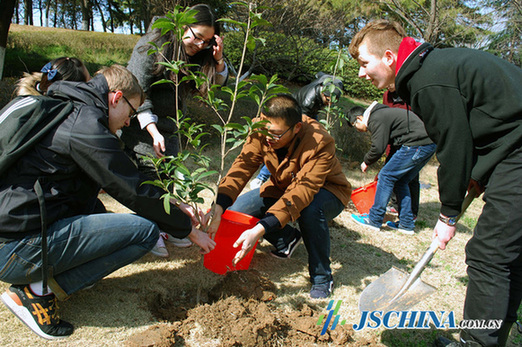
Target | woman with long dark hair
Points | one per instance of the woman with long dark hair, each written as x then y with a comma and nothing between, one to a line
201,45
152,134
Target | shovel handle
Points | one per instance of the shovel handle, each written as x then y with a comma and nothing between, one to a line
428,255
417,270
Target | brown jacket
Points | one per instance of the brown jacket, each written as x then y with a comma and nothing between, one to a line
309,165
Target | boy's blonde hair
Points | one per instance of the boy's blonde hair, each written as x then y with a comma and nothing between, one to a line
379,36
119,78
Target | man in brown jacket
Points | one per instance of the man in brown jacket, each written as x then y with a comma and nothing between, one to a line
307,185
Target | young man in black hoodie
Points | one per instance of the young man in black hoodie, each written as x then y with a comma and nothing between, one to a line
471,104
401,129
72,162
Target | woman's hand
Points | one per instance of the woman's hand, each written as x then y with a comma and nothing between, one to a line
218,48
215,215
158,141
202,239
189,211
247,241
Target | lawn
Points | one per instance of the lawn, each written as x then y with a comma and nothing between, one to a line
156,298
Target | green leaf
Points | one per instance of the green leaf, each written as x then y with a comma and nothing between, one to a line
234,126
218,128
166,203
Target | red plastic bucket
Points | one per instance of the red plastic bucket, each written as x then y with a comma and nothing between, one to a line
233,224
363,197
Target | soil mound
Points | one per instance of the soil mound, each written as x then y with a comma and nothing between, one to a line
240,314
247,284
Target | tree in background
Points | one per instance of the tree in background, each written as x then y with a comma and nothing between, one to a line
507,43
8,7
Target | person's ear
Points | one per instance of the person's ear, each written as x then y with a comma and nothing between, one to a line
115,97
298,127
389,58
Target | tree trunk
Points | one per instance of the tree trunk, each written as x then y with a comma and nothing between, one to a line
85,14
104,25
145,14
47,11
130,19
111,18
17,15
40,8
28,12
55,21
6,15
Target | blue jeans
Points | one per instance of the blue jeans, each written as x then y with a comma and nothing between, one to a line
404,165
81,250
313,224
263,174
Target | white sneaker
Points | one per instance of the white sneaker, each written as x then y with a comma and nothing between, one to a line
256,183
183,243
160,249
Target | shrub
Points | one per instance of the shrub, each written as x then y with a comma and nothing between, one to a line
357,87
290,60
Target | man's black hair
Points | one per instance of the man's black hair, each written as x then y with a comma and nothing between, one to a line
285,107
353,113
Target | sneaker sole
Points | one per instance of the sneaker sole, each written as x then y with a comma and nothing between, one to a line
160,254
291,252
404,231
182,244
26,317
368,226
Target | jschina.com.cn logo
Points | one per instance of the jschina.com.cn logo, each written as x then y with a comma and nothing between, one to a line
332,312
403,320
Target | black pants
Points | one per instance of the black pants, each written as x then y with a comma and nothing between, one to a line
494,253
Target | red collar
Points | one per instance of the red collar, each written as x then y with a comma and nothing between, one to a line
408,45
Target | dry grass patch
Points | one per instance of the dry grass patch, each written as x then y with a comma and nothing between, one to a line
126,302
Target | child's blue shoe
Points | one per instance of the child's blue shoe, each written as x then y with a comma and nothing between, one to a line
364,220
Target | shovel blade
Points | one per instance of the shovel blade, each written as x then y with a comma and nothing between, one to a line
379,294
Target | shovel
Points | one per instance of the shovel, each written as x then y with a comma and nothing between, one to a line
395,290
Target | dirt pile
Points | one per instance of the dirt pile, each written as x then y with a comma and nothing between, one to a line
241,314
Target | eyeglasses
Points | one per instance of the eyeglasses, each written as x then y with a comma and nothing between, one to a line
134,111
200,42
278,137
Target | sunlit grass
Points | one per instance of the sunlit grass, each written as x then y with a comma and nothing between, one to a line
28,49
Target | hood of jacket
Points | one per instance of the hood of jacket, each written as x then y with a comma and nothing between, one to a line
92,93
411,59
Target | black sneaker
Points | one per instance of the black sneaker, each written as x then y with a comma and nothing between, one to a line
37,312
321,291
286,252
442,341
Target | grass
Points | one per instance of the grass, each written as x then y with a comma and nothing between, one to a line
29,48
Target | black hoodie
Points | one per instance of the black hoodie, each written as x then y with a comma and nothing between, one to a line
85,156
471,104
394,126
